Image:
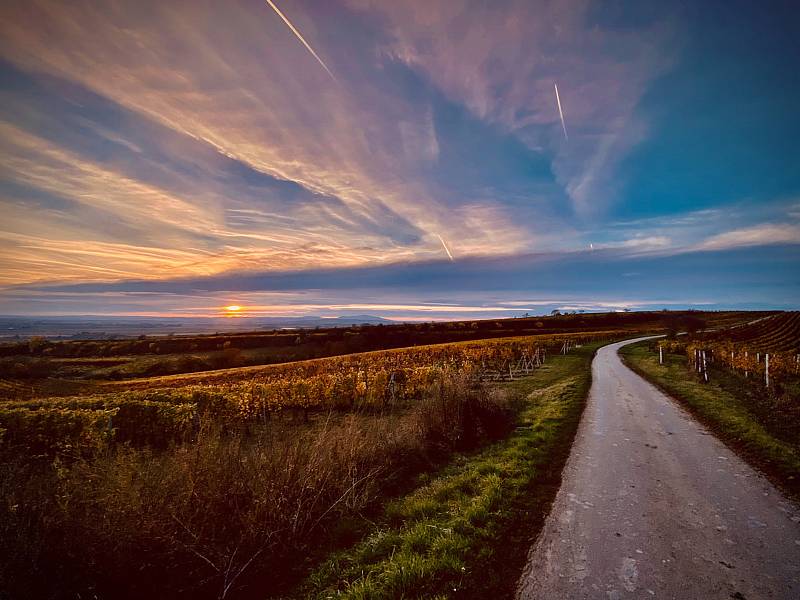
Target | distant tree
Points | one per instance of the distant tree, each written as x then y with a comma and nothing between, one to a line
36,343
555,313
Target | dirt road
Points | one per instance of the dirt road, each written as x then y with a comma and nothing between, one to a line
654,506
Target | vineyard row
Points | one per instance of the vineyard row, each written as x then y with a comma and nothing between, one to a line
157,417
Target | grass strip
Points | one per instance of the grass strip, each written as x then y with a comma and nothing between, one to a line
466,531
722,407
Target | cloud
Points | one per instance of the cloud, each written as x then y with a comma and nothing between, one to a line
181,148
642,243
501,63
69,217
469,287
758,235
358,154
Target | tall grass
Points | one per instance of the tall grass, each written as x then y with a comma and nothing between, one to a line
231,513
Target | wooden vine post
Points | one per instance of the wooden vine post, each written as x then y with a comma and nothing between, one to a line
705,367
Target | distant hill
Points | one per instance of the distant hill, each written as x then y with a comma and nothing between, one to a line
95,327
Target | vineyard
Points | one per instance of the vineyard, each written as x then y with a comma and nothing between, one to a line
241,478
767,349
161,410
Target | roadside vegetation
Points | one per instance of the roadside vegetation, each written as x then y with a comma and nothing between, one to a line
231,512
226,492
466,530
762,424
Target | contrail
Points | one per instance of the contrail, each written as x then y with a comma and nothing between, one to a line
560,112
446,249
300,37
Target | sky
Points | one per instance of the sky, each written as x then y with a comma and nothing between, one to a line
405,159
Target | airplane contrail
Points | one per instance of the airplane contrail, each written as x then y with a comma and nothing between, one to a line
301,38
561,112
446,249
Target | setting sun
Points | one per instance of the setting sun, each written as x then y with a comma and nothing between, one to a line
233,308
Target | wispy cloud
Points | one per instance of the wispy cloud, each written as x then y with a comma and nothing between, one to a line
468,288
501,63
146,142
758,235
235,89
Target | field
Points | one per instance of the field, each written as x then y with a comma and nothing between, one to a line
160,410
128,358
243,481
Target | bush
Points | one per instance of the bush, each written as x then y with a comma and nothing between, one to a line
226,511
458,416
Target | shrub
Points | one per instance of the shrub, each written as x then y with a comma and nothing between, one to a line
228,510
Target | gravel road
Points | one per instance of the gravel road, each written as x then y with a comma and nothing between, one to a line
654,506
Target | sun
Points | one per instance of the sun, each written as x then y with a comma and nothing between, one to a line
233,308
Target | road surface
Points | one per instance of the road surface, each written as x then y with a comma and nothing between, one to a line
654,506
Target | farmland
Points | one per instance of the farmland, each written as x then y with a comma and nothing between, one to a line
160,410
766,350
239,482
131,358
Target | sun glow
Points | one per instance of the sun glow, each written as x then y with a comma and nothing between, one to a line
233,308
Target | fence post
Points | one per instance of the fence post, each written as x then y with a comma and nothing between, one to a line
766,371
660,355
746,372
705,370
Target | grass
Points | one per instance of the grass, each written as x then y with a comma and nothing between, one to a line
466,530
730,408
414,501
239,510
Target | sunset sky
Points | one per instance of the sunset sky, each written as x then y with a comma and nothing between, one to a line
176,157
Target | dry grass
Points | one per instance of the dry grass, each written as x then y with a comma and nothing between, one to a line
228,514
